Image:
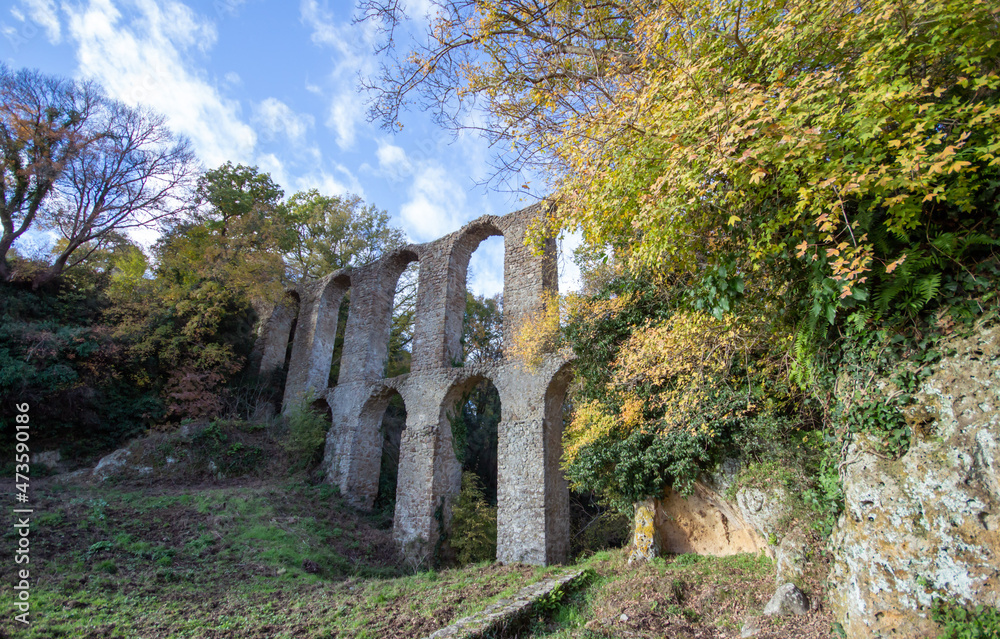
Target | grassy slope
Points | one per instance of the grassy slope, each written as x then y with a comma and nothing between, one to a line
282,559
677,596
222,561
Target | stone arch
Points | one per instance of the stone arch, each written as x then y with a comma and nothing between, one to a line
447,467
278,331
316,334
366,341
368,445
532,500
321,404
464,246
396,264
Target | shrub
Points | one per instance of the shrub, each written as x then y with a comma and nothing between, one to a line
306,434
216,444
473,523
958,622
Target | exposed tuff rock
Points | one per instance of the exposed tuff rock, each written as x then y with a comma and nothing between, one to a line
112,464
787,600
763,510
790,557
708,524
925,525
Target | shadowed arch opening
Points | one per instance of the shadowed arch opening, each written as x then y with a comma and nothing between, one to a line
472,412
322,406
333,321
278,333
384,415
290,308
402,276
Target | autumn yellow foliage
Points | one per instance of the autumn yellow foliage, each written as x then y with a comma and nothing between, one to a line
665,371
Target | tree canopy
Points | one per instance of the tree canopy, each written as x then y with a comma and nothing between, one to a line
780,202
681,133
334,232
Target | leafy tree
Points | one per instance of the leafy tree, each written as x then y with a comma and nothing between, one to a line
534,66
209,274
482,329
830,142
134,174
473,523
334,232
785,176
241,231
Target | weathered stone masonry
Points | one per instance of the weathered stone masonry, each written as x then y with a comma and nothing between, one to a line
533,498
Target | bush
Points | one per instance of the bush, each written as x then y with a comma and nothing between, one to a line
306,434
216,444
473,523
958,622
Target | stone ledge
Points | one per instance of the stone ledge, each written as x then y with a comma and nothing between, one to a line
505,612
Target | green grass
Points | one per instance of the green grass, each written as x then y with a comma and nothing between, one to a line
110,561
113,561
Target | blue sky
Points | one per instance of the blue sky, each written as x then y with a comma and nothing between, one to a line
272,84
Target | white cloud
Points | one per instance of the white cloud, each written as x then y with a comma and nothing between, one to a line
270,164
393,161
45,13
322,181
421,10
351,44
233,79
435,207
325,183
346,113
276,119
342,36
142,59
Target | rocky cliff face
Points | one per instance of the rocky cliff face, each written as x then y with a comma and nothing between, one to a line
928,524
706,522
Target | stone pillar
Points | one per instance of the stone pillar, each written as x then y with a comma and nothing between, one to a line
435,343
366,337
315,334
521,466
645,537
521,491
353,453
557,515
532,493
429,473
528,278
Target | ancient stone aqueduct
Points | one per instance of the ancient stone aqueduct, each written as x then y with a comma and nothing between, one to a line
533,498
